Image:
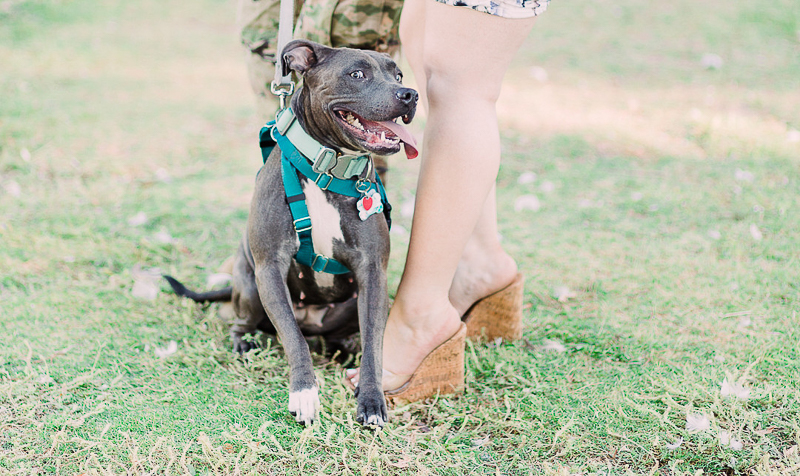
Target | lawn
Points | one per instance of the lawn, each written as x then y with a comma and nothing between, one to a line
649,191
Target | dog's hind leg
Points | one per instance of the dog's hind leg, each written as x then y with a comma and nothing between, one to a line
246,303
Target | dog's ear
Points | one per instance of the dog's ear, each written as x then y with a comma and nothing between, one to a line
302,55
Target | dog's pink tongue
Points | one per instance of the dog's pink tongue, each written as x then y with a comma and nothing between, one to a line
408,140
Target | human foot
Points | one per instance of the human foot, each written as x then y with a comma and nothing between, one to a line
412,333
481,272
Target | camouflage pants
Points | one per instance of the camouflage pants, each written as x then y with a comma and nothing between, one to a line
363,24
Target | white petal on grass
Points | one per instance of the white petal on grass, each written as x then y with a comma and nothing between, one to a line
793,135
145,288
13,188
636,196
743,175
744,322
399,230
163,176
407,208
547,187
675,445
696,422
163,236
563,293
538,73
714,234
25,154
755,232
145,283
45,379
736,444
711,61
138,219
477,442
218,279
164,352
526,178
734,390
553,346
527,202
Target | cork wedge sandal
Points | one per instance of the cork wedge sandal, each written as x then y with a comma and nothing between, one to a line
441,372
497,315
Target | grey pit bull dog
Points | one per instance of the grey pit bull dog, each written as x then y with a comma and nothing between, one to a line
350,102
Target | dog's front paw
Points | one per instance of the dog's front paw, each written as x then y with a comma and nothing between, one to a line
371,410
303,404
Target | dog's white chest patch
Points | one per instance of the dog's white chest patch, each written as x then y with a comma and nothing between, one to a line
325,226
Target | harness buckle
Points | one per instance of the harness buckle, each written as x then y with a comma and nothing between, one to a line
300,229
325,161
323,259
327,184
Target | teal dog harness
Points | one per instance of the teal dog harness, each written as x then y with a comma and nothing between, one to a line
338,173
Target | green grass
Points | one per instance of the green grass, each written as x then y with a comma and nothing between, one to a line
108,109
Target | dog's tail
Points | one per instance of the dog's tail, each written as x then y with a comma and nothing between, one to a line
210,296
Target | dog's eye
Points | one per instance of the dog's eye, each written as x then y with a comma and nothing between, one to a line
399,77
357,74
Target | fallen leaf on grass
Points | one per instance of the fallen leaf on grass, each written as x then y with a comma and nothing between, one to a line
696,422
734,390
164,352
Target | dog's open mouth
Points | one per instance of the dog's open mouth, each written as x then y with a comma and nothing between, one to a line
382,137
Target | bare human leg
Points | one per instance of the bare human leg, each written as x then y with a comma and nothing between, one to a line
460,57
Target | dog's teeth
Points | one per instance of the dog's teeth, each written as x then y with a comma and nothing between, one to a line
383,136
358,124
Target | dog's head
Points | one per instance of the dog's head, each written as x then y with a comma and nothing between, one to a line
351,100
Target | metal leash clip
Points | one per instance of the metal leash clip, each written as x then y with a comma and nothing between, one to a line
282,91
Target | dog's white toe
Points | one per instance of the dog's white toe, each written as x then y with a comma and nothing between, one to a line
304,405
376,420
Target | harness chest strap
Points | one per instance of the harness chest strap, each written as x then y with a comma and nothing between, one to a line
293,161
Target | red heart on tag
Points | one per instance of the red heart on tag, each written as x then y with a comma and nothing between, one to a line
366,202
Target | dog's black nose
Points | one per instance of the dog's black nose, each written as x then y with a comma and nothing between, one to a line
407,96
